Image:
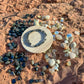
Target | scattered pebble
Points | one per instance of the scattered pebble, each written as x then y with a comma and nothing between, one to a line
68,63
59,37
56,32
72,55
44,68
73,45
13,81
47,17
62,20
64,45
58,61
51,62
77,32
36,22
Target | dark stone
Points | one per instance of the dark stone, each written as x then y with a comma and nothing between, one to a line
10,38
12,73
13,81
36,68
32,16
17,73
42,73
11,48
19,78
35,64
31,81
23,64
5,59
14,45
47,66
12,56
22,59
9,44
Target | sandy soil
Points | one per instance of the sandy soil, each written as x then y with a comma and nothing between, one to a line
71,10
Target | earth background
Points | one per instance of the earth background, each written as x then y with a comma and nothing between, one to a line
73,13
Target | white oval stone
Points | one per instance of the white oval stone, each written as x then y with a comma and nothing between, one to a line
51,62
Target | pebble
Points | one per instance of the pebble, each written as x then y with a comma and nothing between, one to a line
66,54
69,35
72,55
56,32
57,65
73,45
58,61
36,68
32,62
47,17
42,73
62,20
51,62
56,68
66,41
36,22
64,45
70,39
13,81
59,37
75,50
44,68
68,63
77,32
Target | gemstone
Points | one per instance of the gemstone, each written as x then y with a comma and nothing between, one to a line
69,35
13,81
62,20
56,32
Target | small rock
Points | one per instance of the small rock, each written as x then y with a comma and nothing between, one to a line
47,17
56,32
59,37
70,39
66,41
73,45
57,65
13,81
77,32
62,20
44,68
64,45
72,55
46,56
36,22
68,63
56,68
58,61
51,62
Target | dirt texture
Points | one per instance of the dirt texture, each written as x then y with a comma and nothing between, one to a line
73,13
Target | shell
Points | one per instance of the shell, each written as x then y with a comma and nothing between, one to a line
51,62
